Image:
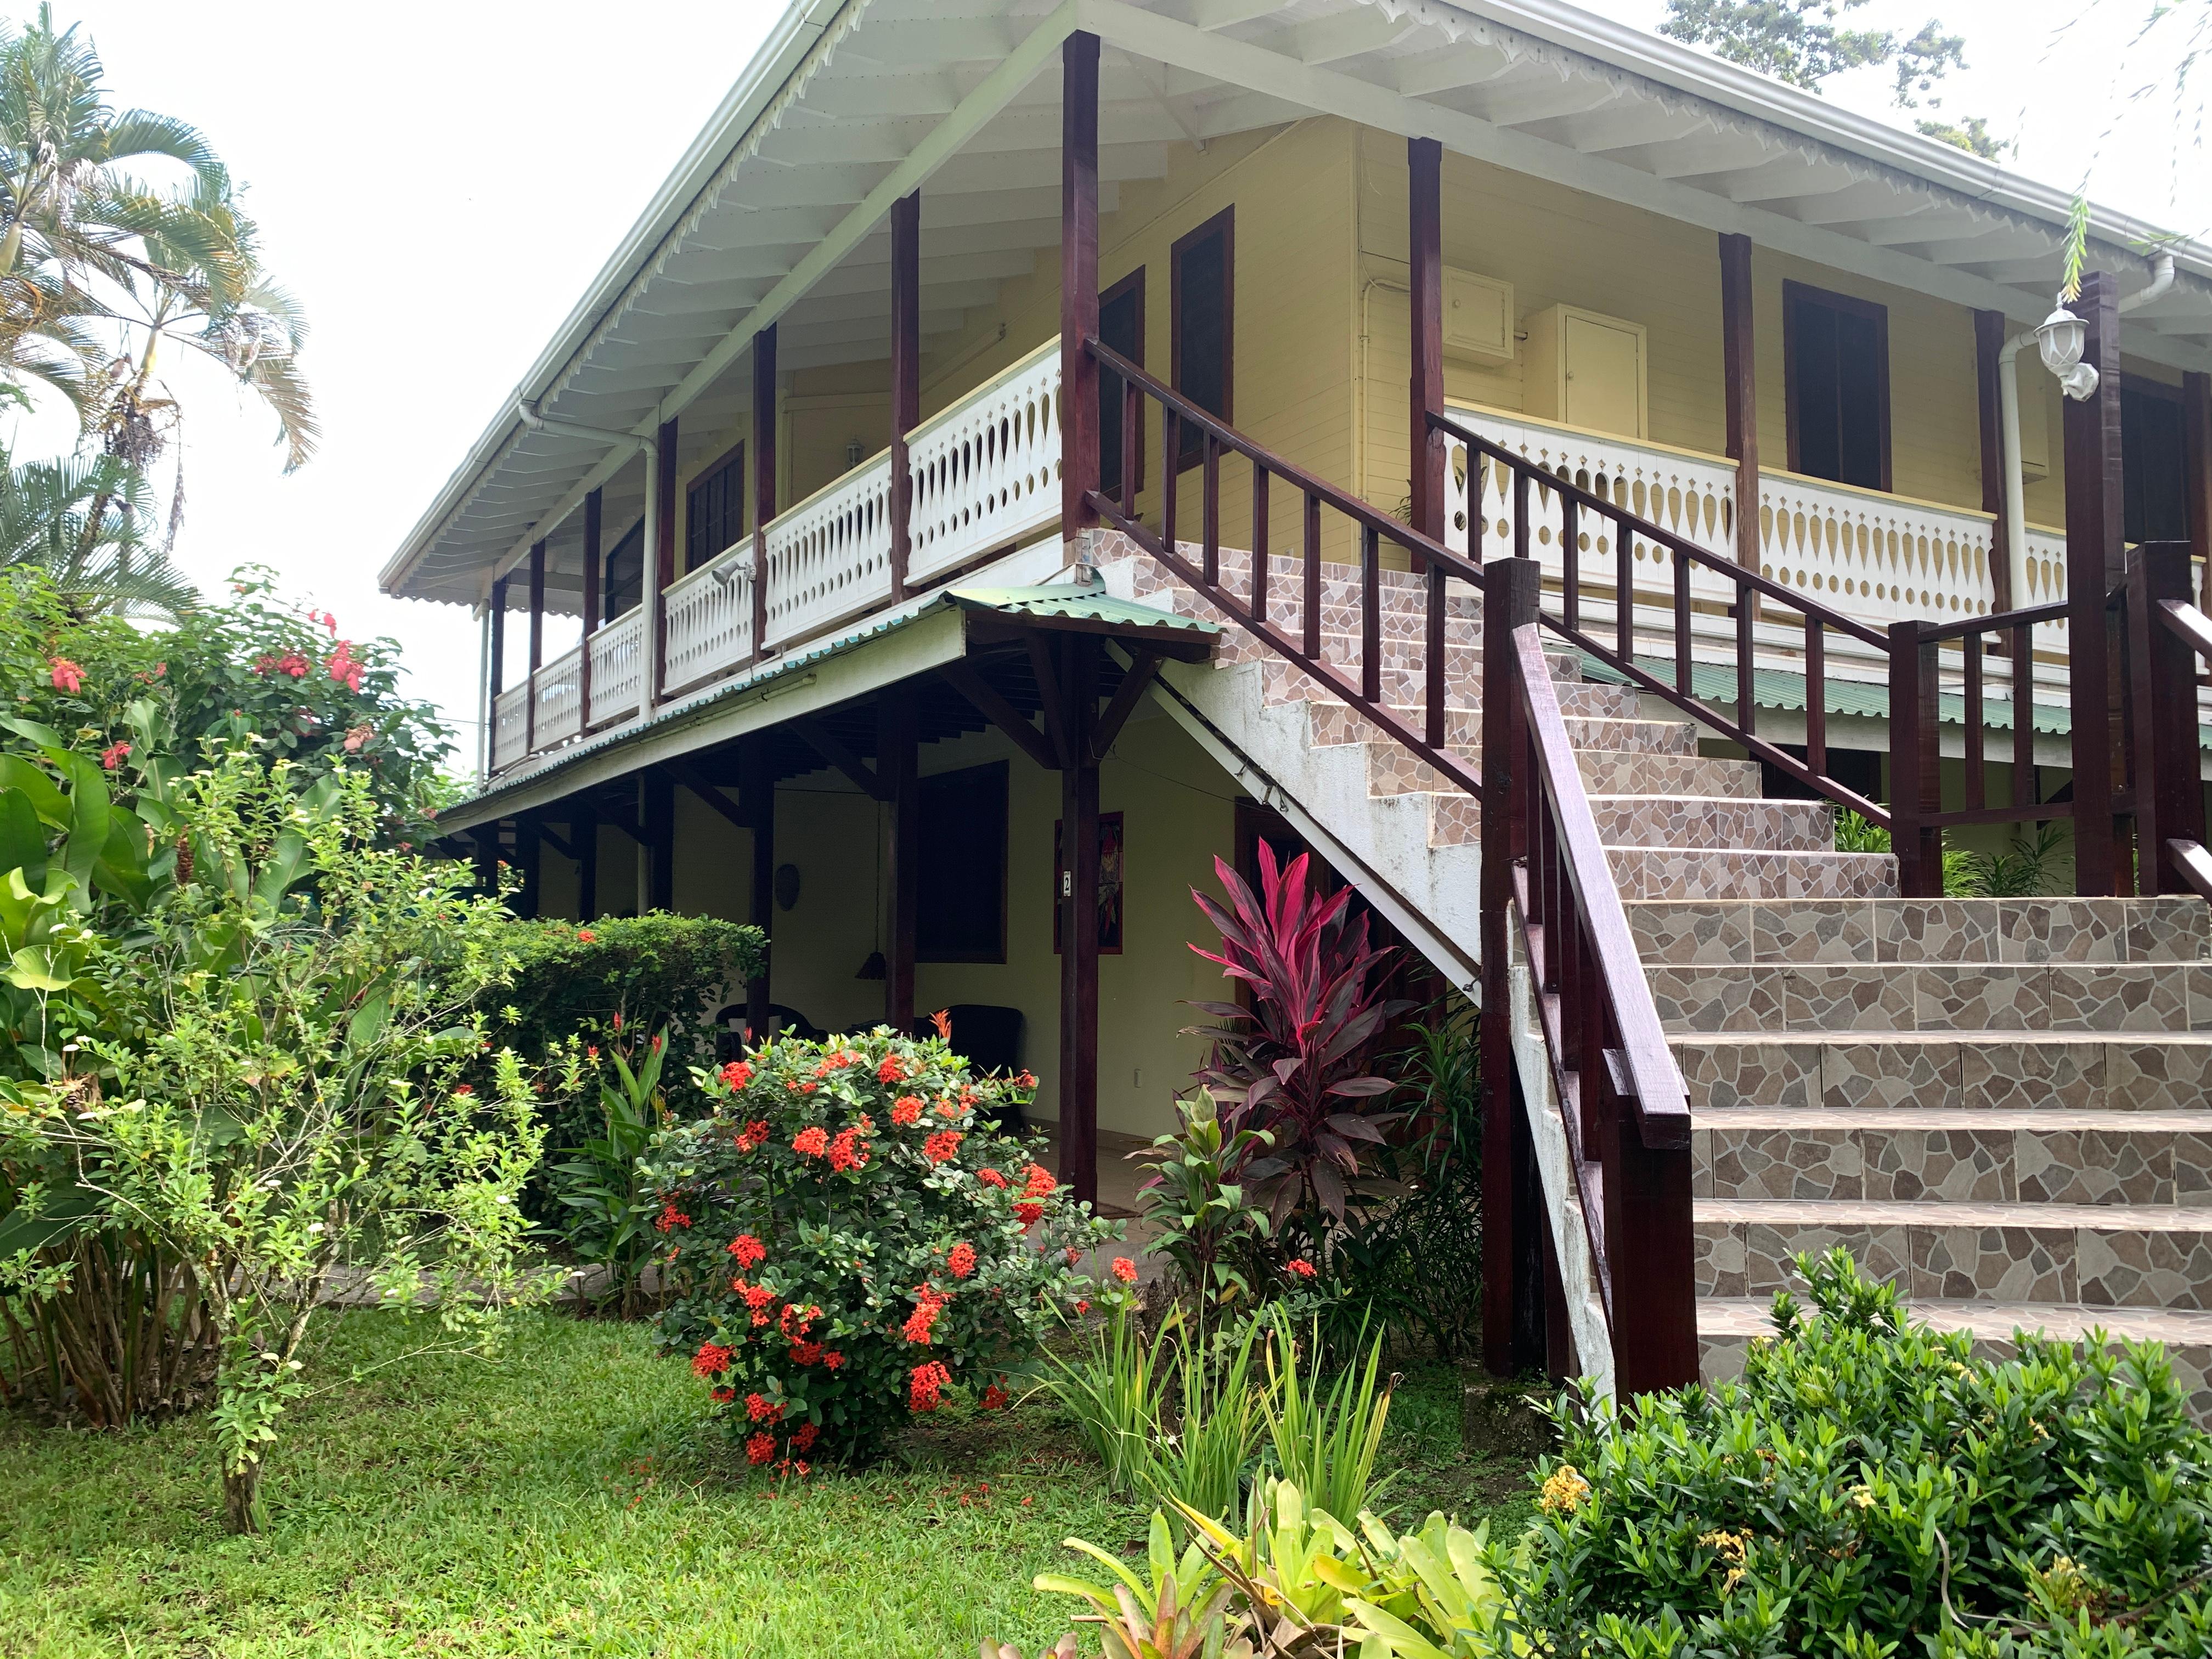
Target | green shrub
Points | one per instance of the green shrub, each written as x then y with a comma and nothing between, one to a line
849,1236
1869,1483
657,972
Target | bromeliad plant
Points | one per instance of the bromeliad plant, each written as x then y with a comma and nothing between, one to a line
1295,1063
849,1239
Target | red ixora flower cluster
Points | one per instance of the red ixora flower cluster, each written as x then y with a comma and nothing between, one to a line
737,1074
1301,1266
892,1070
812,1141
848,1151
712,1359
670,1218
990,1177
1125,1270
962,1262
749,1250
906,1111
926,1386
996,1399
942,1147
928,1303
753,1136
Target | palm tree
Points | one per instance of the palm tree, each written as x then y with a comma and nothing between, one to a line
78,521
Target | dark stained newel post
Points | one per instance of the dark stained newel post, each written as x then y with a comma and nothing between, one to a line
659,559
756,793
1078,923
496,671
537,647
1426,280
1740,374
763,486
906,376
2094,542
1079,282
896,754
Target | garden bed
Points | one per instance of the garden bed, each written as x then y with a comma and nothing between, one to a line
568,1497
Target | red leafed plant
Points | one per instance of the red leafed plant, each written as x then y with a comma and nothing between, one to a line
1295,1063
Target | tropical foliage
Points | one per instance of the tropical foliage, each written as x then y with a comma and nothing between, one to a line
850,1240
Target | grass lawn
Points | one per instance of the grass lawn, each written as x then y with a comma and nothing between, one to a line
567,1499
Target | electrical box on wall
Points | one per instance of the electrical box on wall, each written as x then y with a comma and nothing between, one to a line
1582,368
1477,316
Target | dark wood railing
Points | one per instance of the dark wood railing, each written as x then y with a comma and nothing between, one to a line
1626,1113
1621,1098
2165,636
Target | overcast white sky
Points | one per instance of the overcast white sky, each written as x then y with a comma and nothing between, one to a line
437,184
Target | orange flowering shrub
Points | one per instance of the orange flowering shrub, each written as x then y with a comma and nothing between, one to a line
859,1242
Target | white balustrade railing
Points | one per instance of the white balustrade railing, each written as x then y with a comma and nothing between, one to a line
558,688
987,471
1877,557
708,619
829,557
618,669
510,712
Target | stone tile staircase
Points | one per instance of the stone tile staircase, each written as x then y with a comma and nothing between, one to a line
2006,1105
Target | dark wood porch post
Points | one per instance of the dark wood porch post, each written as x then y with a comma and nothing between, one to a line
2094,542
906,376
756,793
593,522
763,491
1078,283
1740,374
896,751
1515,1236
2197,473
584,835
529,862
1989,341
661,555
536,646
498,645
657,793
486,836
2162,695
1425,279
1078,911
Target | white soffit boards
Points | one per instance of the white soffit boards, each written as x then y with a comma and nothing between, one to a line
779,211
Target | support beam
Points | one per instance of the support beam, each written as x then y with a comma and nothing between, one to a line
498,648
488,858
584,831
2196,474
757,794
825,743
906,377
537,647
1078,1105
1078,282
1740,376
529,861
649,605
660,549
657,800
1989,340
763,488
594,528
2094,503
897,754
962,676
1425,279
1126,695
691,778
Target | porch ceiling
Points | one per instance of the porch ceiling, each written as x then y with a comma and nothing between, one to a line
778,212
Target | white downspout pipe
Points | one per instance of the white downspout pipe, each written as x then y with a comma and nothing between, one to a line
2015,487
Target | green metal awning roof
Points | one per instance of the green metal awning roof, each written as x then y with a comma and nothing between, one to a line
1074,605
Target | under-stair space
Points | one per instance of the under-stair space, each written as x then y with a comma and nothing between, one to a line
2003,1105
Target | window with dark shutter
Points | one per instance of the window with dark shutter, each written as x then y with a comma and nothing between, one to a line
1120,328
1202,303
1836,350
960,908
623,584
714,509
2155,505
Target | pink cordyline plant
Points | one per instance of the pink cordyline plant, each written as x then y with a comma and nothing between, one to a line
1295,1063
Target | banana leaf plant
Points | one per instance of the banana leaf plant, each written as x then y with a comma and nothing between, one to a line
1294,1064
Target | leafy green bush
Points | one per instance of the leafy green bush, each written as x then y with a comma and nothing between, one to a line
1867,1487
602,1197
849,1236
657,972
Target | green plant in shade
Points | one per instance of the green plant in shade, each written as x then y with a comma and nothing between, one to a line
1204,1224
1113,1392
2027,868
1857,834
609,1204
1179,1609
1326,1435
1208,1459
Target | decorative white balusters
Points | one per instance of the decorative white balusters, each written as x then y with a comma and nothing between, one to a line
829,557
1878,557
559,687
709,618
509,716
987,471
617,669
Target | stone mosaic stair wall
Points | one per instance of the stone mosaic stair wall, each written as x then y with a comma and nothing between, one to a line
2006,1105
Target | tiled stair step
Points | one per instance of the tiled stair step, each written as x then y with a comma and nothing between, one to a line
1722,932
1935,996
1286,682
1336,723
1392,770
1670,872
1341,594
2140,1255
1400,619
1716,823
1287,570
1462,663
1727,1325
1982,1072
1911,1154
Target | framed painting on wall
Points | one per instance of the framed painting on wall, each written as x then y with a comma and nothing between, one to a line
1110,871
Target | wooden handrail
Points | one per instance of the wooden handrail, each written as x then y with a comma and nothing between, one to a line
1648,1075
2188,623
2194,863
